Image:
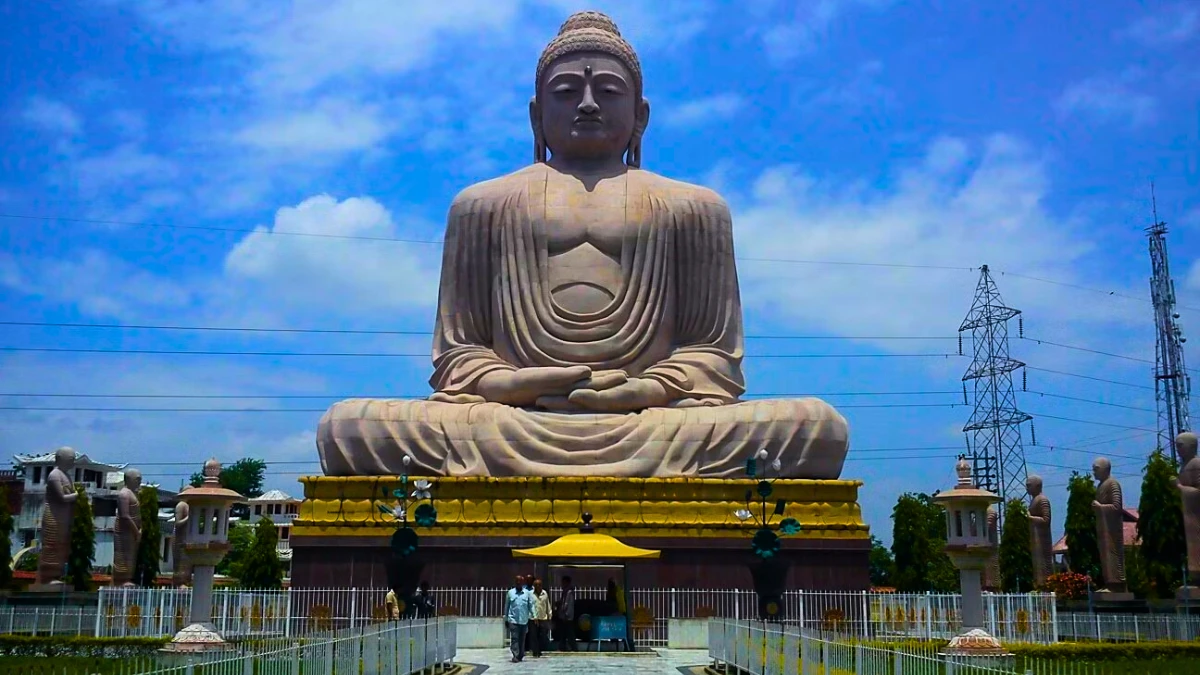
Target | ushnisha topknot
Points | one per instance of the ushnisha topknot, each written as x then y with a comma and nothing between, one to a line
590,32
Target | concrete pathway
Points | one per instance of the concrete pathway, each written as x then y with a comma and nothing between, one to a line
659,662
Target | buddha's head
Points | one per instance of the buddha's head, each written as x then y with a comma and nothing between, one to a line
1033,485
1101,468
1185,445
133,479
588,104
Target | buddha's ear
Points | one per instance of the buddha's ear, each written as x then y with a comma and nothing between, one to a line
641,120
539,140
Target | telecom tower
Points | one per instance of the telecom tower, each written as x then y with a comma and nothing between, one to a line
1172,384
993,433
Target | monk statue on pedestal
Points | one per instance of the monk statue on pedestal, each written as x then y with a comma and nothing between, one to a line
56,519
1040,543
1109,508
589,321
1189,492
127,531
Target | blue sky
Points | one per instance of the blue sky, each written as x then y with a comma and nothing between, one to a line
934,134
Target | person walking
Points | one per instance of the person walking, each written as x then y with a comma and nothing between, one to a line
540,626
564,614
392,604
517,612
426,608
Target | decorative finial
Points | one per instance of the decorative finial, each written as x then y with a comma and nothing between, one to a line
407,460
586,528
212,471
963,469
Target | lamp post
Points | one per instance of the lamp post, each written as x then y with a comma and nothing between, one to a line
970,548
207,543
769,572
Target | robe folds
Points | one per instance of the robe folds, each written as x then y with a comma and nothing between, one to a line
676,318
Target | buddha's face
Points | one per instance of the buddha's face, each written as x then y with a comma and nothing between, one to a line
1101,469
1185,445
588,107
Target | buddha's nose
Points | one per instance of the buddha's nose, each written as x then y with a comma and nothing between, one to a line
588,105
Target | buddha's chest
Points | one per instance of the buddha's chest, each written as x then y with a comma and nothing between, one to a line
586,230
603,216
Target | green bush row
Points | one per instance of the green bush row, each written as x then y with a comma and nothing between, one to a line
1092,652
71,665
79,646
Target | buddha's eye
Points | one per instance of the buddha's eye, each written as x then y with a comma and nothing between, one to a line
564,89
613,90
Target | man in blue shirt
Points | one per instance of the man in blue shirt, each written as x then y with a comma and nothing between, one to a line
517,612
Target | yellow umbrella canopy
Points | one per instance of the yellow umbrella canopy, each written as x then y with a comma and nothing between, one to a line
586,547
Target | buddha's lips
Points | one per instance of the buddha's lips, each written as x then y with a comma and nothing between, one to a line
593,122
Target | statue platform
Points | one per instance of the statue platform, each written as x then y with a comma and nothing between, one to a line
340,538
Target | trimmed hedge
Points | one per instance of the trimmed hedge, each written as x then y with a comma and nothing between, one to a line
1091,652
84,646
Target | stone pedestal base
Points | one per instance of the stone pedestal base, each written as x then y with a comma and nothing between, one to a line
194,639
1117,603
340,538
53,587
1188,597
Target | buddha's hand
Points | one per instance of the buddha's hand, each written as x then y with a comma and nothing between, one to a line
634,394
599,381
524,386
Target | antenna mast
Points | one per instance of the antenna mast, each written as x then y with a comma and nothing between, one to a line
1172,384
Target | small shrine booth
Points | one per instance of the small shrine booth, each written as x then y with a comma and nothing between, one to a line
595,621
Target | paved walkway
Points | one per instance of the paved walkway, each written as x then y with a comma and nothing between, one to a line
661,662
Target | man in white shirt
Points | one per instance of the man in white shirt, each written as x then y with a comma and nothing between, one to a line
517,612
541,618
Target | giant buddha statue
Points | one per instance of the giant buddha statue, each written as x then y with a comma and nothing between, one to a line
589,321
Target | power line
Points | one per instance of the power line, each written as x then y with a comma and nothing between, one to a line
1088,400
216,352
333,331
1102,424
1089,377
422,395
309,462
325,235
321,410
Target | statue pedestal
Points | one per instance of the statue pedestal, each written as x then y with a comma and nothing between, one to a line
50,588
340,538
1188,595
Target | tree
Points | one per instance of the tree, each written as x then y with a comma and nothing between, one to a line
1160,527
919,546
241,537
1016,559
83,543
6,529
261,566
1083,551
883,568
145,570
244,476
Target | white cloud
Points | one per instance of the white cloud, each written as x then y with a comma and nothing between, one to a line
808,26
1193,278
330,126
53,116
701,111
341,277
1109,99
1169,26
963,205
99,284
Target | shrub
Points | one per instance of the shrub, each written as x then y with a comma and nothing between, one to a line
1068,585
86,646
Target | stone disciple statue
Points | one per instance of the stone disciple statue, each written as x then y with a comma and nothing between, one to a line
181,568
1110,530
589,321
991,573
127,532
56,519
1189,491
1040,543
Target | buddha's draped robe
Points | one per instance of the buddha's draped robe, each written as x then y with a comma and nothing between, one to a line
675,319
56,527
1110,533
125,540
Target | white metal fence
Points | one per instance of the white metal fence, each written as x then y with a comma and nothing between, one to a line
766,649
397,648
1127,627
300,612
47,620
